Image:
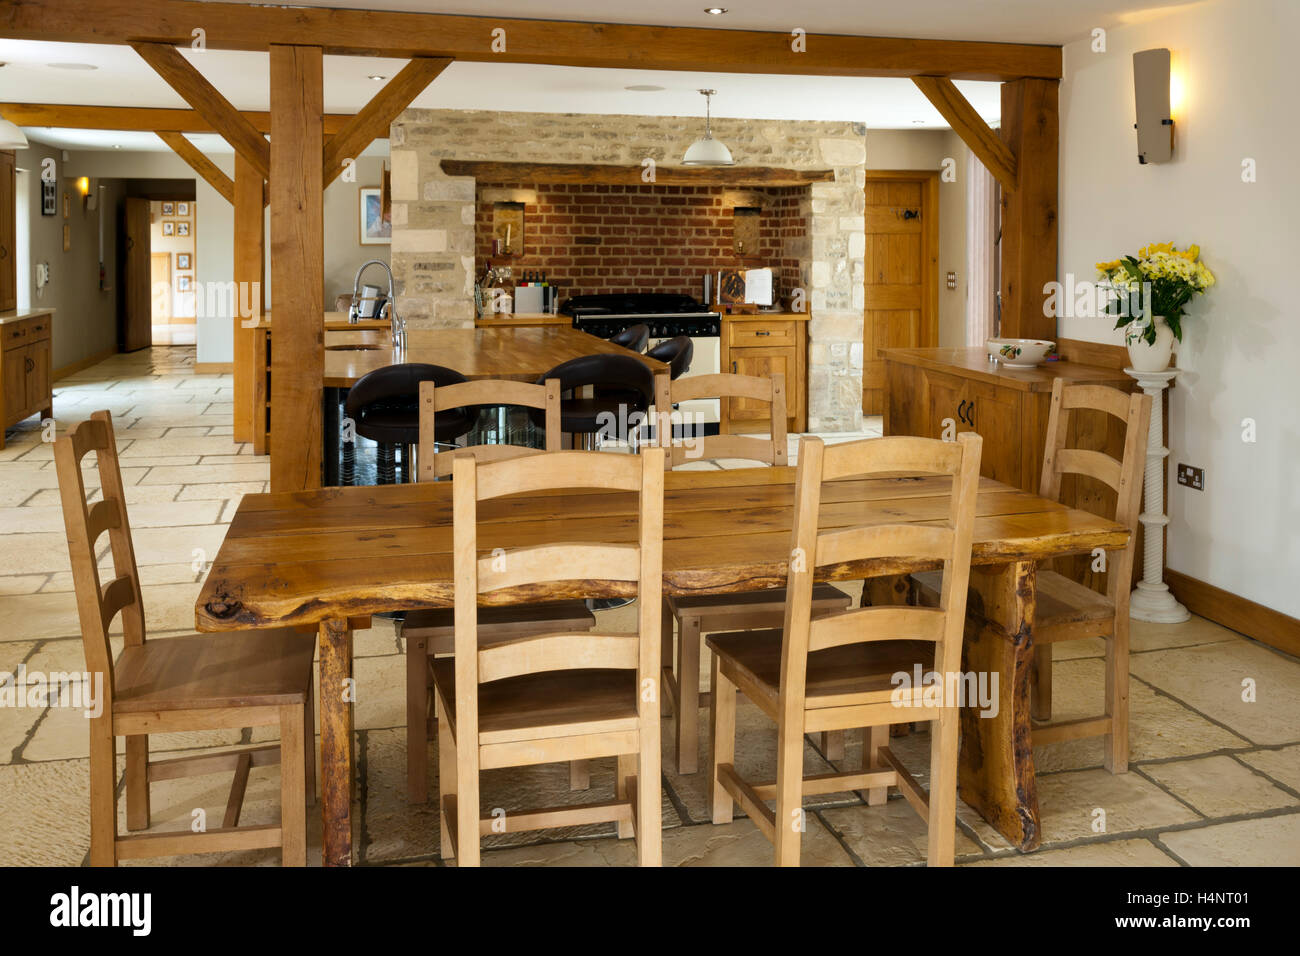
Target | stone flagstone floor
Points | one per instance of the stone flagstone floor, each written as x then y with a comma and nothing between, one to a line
1214,779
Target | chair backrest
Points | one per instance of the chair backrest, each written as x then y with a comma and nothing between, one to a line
948,541
676,353
434,399
623,564
98,605
634,337
724,385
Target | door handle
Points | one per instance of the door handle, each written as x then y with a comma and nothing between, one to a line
961,410
28,364
971,412
733,368
763,333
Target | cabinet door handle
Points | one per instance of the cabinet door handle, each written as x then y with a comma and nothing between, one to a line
763,332
971,412
733,368
961,410
28,364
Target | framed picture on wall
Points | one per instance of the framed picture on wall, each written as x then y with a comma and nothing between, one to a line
67,205
184,283
182,209
67,237
49,200
182,260
376,226
182,229
168,228
169,209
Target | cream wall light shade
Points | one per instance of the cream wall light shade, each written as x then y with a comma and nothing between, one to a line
11,137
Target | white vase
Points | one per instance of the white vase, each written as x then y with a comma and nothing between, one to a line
1150,358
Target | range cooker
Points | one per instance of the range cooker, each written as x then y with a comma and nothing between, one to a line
667,315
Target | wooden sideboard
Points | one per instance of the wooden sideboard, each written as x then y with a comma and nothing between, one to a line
763,344
26,382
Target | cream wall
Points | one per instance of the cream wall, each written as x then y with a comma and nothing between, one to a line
1242,340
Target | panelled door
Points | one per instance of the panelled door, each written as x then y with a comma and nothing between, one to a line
902,272
136,327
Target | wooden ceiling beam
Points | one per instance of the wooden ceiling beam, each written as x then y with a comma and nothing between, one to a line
508,172
970,126
564,43
182,77
374,119
136,118
205,167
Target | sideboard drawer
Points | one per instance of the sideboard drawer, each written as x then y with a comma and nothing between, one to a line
18,334
746,333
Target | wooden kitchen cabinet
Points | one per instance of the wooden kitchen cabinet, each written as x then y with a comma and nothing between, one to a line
763,345
26,380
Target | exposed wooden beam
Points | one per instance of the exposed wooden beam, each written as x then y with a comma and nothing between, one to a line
507,172
297,269
970,126
250,263
138,118
565,43
204,97
1031,128
377,116
205,167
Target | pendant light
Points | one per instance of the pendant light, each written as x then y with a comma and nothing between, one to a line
707,151
11,137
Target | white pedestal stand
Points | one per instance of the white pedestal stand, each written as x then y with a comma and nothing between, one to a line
1151,599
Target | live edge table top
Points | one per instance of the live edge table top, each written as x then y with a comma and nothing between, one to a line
305,557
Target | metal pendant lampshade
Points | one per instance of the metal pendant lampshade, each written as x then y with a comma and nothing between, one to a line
707,151
11,137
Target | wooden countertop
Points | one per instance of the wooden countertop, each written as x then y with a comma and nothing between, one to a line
523,319
974,364
759,316
9,316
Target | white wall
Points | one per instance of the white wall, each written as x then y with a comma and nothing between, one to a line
1241,341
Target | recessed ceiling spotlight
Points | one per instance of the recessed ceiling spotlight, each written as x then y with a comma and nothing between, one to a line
643,88
72,66
918,122
376,77
117,145
715,11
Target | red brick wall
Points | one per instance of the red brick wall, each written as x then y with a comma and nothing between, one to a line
592,239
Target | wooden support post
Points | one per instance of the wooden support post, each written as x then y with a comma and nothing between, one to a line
297,267
250,267
1030,128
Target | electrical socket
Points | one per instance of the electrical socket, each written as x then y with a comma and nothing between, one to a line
1191,477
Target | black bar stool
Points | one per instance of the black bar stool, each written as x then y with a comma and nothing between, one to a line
634,337
622,386
384,406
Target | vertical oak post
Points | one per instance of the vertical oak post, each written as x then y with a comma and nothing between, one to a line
250,263
1030,128
297,267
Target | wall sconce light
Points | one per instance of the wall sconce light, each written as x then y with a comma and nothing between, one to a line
83,186
1155,121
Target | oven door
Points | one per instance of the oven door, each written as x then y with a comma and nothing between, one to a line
706,359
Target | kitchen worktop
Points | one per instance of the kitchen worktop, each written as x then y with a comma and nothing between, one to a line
973,363
21,315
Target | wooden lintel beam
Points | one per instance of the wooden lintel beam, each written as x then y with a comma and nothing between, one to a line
736,176
970,126
136,118
182,77
563,43
374,119
205,167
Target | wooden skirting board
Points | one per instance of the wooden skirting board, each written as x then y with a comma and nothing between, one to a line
86,362
1236,612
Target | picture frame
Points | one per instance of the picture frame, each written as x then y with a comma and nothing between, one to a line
182,209
184,283
49,199
169,209
375,227
67,237
168,227
183,260
182,228
67,205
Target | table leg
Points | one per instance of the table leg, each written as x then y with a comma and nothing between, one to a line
336,695
331,425
996,767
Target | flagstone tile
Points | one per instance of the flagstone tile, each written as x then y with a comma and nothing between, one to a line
1111,853
1270,841
1219,786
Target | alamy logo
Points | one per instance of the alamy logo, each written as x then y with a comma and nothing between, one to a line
37,689
132,910
958,689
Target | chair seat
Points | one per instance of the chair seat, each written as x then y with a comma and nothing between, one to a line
235,669
439,626
852,674
537,706
1059,600
715,608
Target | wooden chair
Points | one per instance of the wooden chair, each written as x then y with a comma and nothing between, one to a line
547,698
705,614
431,633
203,682
835,672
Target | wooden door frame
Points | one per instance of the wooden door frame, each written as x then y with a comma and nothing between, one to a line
929,255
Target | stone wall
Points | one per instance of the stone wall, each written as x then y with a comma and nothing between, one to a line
433,254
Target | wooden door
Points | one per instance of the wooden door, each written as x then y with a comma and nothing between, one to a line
764,363
8,232
160,279
38,376
135,330
901,272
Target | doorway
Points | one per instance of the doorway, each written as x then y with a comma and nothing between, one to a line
901,266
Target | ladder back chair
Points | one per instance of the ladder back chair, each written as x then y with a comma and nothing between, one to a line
836,672
200,682
431,633
695,616
556,697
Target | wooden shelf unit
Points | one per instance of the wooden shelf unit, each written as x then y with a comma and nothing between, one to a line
762,344
26,380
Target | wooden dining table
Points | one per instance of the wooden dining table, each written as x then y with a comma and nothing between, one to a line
520,353
323,559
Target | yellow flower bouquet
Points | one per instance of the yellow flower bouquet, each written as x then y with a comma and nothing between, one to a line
1159,281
